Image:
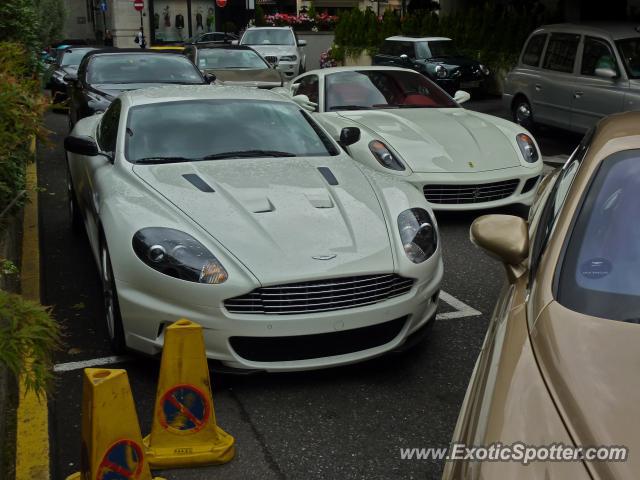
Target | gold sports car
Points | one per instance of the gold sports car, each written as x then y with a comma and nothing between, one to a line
560,362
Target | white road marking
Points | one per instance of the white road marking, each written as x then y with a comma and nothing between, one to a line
462,309
93,362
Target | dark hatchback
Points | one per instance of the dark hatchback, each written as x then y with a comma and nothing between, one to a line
237,65
103,74
435,57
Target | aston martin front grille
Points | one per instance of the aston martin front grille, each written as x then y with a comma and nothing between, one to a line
460,194
272,59
320,295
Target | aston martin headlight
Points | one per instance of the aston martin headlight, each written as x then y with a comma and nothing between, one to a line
441,72
484,69
178,255
418,234
288,58
527,147
384,156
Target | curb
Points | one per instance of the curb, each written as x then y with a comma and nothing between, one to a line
32,417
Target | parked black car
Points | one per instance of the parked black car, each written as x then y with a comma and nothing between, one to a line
234,65
103,74
435,57
212,37
65,68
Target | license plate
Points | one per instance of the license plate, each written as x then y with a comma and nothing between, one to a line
474,84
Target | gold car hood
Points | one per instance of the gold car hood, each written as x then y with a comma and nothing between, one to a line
591,367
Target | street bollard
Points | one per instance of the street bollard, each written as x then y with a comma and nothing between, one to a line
111,440
184,431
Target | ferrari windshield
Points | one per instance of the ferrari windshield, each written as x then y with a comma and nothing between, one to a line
371,89
601,271
267,36
142,68
223,58
199,130
630,52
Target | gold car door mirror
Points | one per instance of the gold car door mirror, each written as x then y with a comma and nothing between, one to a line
505,237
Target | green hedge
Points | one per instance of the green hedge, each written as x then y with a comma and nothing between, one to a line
492,33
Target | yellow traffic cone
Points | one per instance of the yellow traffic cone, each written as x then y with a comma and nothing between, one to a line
111,440
184,431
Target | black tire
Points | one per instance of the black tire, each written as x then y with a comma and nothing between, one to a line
522,113
113,319
74,209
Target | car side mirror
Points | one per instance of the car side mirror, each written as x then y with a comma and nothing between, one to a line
505,237
405,58
302,43
305,103
210,78
349,136
461,96
68,78
606,72
235,42
81,145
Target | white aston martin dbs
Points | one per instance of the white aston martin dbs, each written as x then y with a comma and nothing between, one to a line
233,208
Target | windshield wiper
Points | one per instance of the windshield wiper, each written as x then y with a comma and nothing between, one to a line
248,154
349,107
159,160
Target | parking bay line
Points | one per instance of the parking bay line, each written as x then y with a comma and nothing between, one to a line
461,310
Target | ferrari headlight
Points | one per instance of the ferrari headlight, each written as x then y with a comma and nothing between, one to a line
418,234
384,156
178,255
527,147
288,58
441,72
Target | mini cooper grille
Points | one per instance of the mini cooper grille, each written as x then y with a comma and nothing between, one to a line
320,296
272,59
457,194
304,347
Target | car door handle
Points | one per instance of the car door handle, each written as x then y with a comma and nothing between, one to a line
538,87
577,94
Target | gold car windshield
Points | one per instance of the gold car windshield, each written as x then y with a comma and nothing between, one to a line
600,275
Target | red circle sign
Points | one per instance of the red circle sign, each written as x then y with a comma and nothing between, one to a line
221,3
138,5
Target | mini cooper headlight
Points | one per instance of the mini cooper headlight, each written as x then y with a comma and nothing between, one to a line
178,255
384,156
527,147
418,234
441,72
288,58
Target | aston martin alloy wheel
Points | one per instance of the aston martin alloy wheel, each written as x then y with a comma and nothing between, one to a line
111,308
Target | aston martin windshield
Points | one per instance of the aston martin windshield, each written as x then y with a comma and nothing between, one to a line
365,89
205,130
142,68
223,58
265,36
601,271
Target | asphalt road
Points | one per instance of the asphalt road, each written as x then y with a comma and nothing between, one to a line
341,423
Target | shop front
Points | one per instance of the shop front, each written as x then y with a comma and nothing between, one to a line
176,21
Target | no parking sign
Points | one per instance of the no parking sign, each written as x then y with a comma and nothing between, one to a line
184,409
123,461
